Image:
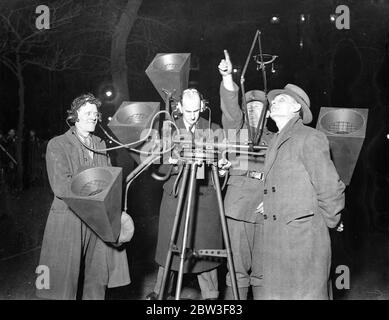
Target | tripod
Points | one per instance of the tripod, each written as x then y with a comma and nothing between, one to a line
192,166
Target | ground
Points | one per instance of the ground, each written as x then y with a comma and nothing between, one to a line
24,216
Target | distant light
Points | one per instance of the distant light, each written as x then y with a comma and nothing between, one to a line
275,19
333,17
109,118
302,18
235,70
108,93
301,44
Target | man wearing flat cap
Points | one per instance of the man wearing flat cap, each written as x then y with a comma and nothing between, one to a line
244,192
303,197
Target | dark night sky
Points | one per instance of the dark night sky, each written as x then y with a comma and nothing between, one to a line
338,68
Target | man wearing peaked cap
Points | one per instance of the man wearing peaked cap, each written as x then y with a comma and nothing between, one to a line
303,197
244,192
255,99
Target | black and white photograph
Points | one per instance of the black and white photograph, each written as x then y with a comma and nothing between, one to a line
205,151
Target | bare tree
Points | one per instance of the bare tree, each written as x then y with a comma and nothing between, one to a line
124,39
102,36
119,46
22,44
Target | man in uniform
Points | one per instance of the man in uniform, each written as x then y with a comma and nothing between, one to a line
244,193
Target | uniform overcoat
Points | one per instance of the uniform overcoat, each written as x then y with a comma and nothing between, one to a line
243,194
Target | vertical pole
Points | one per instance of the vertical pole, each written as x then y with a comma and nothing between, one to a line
226,236
242,80
191,194
174,231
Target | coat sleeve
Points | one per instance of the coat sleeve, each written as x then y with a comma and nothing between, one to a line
58,169
324,177
232,116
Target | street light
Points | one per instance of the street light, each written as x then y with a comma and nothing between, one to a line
275,19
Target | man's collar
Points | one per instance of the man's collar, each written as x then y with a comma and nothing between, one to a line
187,125
81,135
289,124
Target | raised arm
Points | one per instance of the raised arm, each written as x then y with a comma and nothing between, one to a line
232,116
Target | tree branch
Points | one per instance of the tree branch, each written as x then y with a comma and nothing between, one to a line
97,56
9,24
9,64
58,63
60,19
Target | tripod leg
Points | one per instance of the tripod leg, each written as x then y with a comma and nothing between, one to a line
191,191
174,232
226,236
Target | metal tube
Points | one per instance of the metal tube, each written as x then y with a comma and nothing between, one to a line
173,235
262,120
244,153
191,192
141,166
226,236
262,63
248,57
242,80
219,145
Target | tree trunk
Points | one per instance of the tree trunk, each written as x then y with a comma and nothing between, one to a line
118,50
20,129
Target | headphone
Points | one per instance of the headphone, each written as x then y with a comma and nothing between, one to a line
203,102
78,103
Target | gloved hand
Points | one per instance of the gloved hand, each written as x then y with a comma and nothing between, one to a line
127,228
172,160
223,165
